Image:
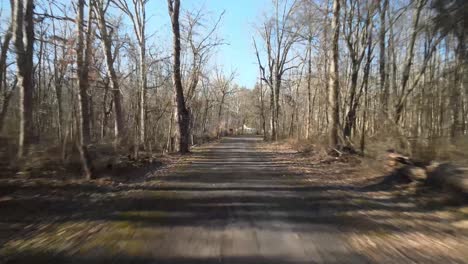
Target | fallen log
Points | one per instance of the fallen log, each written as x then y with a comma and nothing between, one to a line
448,176
440,175
402,166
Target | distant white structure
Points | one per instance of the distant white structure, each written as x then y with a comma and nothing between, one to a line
246,130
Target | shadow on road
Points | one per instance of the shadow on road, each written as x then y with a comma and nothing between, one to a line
223,197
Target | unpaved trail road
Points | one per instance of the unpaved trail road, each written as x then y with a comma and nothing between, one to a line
241,207
226,203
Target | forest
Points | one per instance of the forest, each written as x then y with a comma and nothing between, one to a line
117,124
83,76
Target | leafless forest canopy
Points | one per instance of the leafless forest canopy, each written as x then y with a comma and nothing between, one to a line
87,78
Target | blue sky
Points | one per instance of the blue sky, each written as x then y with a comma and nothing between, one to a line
236,29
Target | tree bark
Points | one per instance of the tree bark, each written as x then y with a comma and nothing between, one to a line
409,60
262,109
272,114
3,56
3,84
82,52
353,102
142,93
138,17
58,79
309,89
220,113
183,117
383,5
7,95
334,82
120,130
23,28
457,89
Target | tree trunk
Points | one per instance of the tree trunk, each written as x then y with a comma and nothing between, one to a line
272,113
309,92
3,84
6,102
170,136
23,28
365,86
120,131
262,110
351,115
205,117
58,86
220,112
383,5
334,82
456,90
183,117
3,56
142,93
82,52
408,61
277,105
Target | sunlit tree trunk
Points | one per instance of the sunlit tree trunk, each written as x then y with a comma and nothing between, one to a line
384,87
408,60
106,38
3,84
334,82
138,18
183,117
456,90
82,52
262,109
356,37
309,89
23,30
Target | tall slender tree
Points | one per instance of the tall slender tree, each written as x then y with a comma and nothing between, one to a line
106,39
136,11
334,77
83,49
5,45
23,28
183,115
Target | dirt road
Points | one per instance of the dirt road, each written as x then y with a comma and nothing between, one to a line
237,206
227,203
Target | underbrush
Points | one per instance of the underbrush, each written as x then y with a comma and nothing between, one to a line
50,162
442,149
434,167
63,162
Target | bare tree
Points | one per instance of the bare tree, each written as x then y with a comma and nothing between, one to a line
409,59
279,35
23,28
83,49
138,18
356,29
412,94
261,106
199,48
100,7
224,88
183,116
451,19
6,93
334,81
384,85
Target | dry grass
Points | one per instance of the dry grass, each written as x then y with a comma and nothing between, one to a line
425,222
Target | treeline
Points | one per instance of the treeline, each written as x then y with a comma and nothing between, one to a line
76,76
352,72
